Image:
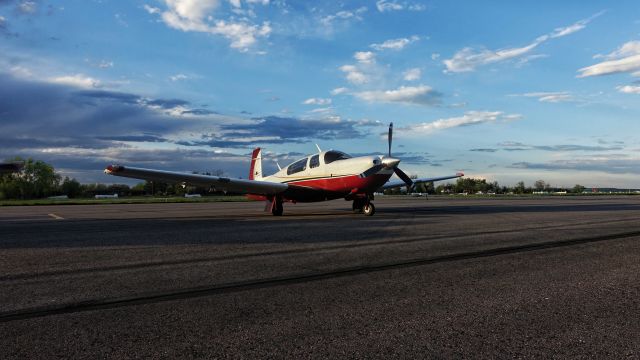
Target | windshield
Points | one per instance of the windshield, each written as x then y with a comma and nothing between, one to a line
331,156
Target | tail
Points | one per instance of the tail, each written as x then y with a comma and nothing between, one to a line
255,172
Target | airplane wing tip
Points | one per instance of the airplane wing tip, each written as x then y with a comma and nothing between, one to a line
113,168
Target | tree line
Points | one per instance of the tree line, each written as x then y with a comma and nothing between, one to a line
38,180
481,186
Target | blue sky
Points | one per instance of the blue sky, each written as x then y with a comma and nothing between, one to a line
506,91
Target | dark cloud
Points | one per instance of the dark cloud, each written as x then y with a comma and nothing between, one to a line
36,114
85,129
611,166
293,128
10,144
110,95
484,150
278,130
199,112
134,138
518,146
577,148
167,103
606,142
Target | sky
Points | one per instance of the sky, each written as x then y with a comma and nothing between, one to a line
502,90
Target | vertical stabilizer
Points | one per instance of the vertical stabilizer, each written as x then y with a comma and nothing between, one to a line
255,172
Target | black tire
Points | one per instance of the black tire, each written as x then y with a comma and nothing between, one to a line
277,209
368,209
357,206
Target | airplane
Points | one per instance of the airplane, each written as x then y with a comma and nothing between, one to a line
326,175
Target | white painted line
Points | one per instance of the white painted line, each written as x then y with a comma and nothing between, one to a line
56,217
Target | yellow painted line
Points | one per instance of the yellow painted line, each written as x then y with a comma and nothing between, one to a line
56,217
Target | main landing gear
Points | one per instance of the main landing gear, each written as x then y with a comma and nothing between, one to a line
363,206
276,207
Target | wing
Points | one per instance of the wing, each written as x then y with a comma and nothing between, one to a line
397,183
215,182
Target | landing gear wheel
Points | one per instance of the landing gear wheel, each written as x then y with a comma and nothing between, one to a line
369,209
277,208
357,206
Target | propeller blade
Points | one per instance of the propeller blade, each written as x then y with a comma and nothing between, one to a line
403,176
390,137
372,170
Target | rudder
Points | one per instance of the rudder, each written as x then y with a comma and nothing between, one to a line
255,171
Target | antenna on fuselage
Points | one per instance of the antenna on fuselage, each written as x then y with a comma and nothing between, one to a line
279,168
319,150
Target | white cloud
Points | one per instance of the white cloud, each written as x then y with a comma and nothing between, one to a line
365,57
552,97
625,59
468,59
435,56
194,15
323,110
27,7
151,10
417,95
629,89
104,64
354,75
77,80
339,91
178,77
21,72
527,59
395,44
344,15
386,5
412,74
469,118
317,101
192,10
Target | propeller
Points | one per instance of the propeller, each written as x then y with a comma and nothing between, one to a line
407,180
390,137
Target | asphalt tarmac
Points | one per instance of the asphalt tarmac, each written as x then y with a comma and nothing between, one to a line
555,277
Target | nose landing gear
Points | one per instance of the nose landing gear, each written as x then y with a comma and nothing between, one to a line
368,209
363,206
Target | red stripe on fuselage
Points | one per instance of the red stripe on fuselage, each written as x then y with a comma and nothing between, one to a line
345,184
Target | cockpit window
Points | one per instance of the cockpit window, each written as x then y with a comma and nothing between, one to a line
314,161
297,166
331,156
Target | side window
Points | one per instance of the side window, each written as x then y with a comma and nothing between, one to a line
314,162
297,166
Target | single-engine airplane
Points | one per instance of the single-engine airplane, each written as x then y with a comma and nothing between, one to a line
326,175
